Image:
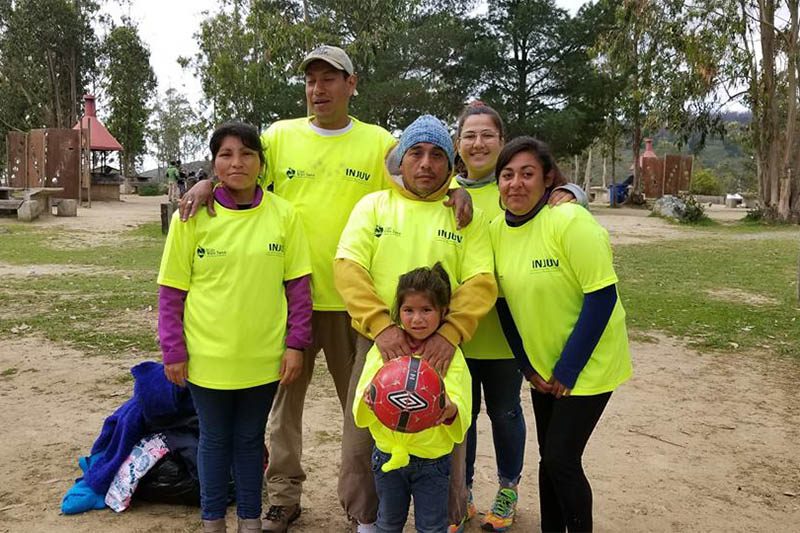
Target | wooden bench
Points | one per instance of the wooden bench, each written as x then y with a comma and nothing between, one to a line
5,192
9,206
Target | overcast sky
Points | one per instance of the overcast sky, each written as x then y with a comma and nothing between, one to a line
168,28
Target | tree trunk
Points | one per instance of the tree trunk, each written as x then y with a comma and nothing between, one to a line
785,195
637,141
587,175
768,123
612,195
576,169
605,170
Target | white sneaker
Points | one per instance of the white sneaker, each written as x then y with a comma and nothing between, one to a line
367,528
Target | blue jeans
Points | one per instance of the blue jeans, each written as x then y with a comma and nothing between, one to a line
232,426
427,480
501,381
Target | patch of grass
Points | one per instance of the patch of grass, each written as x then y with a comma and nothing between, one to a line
9,372
69,309
770,231
150,230
139,248
664,287
124,379
640,336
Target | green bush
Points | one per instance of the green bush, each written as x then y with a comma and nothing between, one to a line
705,181
151,189
693,213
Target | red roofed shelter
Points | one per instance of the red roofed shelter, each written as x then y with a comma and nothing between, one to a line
105,181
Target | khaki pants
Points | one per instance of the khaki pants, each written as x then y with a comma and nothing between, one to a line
337,339
356,483
173,194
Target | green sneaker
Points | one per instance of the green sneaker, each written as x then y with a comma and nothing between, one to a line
501,516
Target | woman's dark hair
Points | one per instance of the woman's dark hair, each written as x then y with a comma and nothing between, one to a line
539,150
433,282
244,132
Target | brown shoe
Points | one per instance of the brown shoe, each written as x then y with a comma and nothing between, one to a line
214,526
278,518
249,525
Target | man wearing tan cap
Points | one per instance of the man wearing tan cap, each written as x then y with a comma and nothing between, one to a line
323,164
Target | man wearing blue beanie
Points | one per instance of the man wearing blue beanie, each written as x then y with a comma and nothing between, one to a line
427,135
392,232
426,129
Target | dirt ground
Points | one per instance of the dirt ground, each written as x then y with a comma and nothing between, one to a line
694,442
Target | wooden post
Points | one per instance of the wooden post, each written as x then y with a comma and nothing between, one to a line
167,209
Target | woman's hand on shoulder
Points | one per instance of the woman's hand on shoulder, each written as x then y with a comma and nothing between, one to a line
291,366
177,373
461,202
560,196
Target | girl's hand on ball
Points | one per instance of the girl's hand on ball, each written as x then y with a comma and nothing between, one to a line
449,413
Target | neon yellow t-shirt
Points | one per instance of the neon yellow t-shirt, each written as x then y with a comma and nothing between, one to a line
430,443
323,177
488,341
544,268
233,267
389,235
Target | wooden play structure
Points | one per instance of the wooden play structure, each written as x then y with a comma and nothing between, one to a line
53,166
671,174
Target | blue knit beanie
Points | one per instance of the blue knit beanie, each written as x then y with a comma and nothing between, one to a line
426,129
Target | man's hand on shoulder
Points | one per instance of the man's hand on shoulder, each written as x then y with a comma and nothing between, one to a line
201,193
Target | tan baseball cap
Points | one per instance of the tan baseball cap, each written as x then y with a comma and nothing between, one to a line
333,55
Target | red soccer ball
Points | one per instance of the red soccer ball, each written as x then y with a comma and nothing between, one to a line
406,395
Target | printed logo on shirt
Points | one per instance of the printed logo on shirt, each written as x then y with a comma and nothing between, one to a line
450,237
388,230
359,176
275,248
210,252
292,173
544,264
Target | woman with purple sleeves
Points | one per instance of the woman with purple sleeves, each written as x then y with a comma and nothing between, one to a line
234,319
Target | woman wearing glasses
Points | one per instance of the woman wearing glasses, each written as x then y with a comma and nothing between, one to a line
480,138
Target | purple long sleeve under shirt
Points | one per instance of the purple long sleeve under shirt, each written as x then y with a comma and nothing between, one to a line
171,302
